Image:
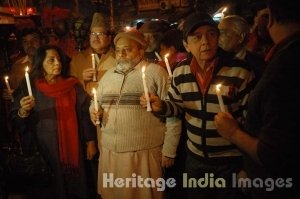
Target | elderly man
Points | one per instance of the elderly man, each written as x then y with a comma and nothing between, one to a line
131,138
153,32
193,95
234,35
100,46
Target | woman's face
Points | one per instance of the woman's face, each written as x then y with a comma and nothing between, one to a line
52,64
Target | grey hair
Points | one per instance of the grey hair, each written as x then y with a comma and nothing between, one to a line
241,26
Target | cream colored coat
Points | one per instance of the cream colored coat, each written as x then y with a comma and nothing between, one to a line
83,60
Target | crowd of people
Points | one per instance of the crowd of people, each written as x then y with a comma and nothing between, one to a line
207,110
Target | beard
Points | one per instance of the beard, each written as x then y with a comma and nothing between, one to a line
126,65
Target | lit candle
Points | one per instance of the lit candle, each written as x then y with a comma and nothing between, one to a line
146,89
8,86
157,55
94,67
7,83
96,103
168,65
28,81
218,91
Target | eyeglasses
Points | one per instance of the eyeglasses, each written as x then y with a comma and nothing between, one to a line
99,34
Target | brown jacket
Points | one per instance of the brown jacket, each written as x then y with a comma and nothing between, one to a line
83,60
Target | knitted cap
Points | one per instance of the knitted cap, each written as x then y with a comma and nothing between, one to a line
99,21
196,20
134,35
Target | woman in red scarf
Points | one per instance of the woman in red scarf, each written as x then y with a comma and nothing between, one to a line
58,114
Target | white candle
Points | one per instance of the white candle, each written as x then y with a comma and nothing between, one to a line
218,91
95,103
168,65
7,83
146,89
94,67
8,86
157,55
28,81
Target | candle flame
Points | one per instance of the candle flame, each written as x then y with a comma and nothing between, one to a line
143,69
166,55
27,69
94,90
6,78
218,87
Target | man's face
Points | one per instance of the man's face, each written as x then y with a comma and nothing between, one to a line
128,53
229,38
152,41
99,38
31,43
203,43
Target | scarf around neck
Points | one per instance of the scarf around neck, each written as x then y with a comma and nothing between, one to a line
64,93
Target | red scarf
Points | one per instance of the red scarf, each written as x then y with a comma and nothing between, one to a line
203,77
65,103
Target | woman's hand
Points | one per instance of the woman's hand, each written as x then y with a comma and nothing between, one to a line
26,103
96,115
91,149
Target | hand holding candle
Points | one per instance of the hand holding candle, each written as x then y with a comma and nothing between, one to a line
96,104
168,65
94,67
218,92
28,81
146,89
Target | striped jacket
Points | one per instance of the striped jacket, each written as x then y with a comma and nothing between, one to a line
199,110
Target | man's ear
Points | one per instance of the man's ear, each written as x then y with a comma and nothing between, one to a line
242,37
185,44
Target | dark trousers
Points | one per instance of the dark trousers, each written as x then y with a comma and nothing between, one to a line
210,179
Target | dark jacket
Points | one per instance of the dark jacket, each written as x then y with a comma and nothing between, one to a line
273,117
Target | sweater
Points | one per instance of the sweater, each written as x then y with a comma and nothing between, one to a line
126,125
199,110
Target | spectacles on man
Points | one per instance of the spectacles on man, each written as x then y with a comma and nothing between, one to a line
99,34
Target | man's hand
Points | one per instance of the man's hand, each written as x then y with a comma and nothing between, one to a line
7,94
167,162
155,101
87,74
226,125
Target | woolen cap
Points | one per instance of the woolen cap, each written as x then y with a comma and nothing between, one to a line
99,21
196,20
132,34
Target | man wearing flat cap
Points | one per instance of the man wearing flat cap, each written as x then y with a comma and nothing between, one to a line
132,138
193,95
153,32
100,46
